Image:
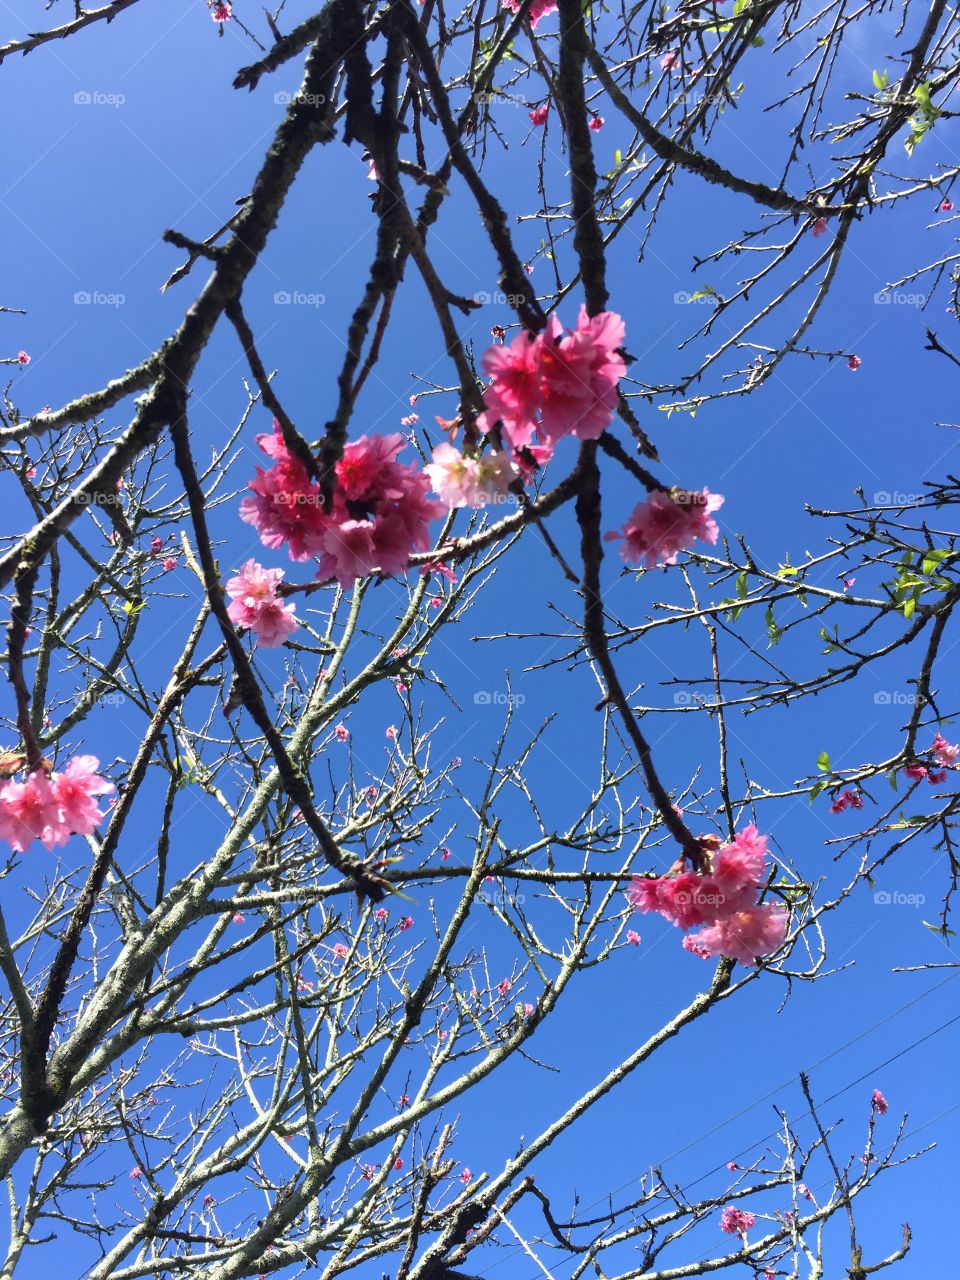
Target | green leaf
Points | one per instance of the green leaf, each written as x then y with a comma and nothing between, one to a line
817,787
823,761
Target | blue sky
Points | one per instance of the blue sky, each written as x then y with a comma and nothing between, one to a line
123,132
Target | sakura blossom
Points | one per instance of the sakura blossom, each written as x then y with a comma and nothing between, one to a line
222,12
945,753
286,509
721,899
595,123
255,605
22,358
463,481
341,732
52,807
538,10
854,363
879,1103
819,226
846,800
736,1222
556,383
169,563
666,524
538,116
405,923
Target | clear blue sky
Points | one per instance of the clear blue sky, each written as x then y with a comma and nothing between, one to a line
89,186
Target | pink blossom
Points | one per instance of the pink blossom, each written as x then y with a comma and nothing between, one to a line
747,934
445,855
469,482
31,473
945,753
668,59
915,772
136,1172
504,986
340,950
736,1221
405,924
341,732
465,1176
392,732
286,505
633,938
732,1166
596,123
403,1100
254,604
666,524
846,800
538,116
946,206
238,918
156,544
398,1164
879,1103
539,9
410,420
23,358
170,562
819,226
381,913
570,378
52,808
854,363
514,391
222,12
580,374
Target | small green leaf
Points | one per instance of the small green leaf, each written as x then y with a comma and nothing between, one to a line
823,761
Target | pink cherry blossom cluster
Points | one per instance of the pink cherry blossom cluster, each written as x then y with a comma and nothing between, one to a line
52,807
555,383
736,1222
846,800
539,9
380,511
722,900
254,604
666,524
463,481
945,755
